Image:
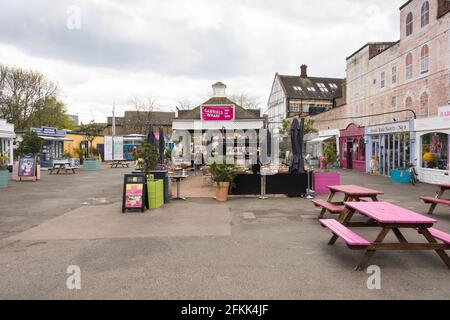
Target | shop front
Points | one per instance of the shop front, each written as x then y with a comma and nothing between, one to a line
53,145
389,147
7,136
352,146
432,154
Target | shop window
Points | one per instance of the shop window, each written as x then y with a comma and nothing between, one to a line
425,14
344,150
409,66
409,24
294,107
435,151
424,59
355,150
362,150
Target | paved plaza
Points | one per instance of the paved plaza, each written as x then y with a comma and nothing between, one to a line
245,248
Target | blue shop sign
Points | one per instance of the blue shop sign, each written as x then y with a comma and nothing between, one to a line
48,131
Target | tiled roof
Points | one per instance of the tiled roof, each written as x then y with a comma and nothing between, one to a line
241,113
314,88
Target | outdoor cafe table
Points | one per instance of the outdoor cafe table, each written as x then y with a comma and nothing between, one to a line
177,178
392,218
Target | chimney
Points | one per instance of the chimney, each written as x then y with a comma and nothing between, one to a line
304,73
219,90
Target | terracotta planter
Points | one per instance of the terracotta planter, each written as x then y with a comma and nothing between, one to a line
221,189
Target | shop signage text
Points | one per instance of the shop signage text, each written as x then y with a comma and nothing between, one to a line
389,128
217,113
444,113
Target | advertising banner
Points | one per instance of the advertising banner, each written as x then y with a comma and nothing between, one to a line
108,148
218,113
118,148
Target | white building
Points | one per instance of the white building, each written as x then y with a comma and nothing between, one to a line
7,136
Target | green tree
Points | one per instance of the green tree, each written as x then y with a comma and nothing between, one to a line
28,98
91,130
30,144
149,157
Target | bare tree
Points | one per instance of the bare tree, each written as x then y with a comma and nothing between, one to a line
184,104
140,118
246,101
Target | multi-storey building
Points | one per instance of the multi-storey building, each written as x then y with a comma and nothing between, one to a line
302,95
391,83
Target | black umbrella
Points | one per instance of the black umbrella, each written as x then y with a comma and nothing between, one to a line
151,139
162,145
296,151
300,142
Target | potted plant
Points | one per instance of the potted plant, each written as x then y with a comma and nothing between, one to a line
4,172
79,152
223,175
148,163
327,178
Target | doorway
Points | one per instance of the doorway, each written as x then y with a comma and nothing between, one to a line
350,155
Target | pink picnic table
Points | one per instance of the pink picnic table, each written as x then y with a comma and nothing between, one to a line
391,217
438,199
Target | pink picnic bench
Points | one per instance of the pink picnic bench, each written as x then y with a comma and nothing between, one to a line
390,218
351,193
434,201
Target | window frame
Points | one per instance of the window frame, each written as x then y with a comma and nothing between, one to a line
424,59
409,66
425,14
409,24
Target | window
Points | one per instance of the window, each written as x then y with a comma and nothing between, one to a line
311,89
394,74
435,151
344,150
424,59
409,66
424,104
333,86
294,107
409,24
425,14
394,103
322,87
297,88
409,102
383,79
306,108
355,153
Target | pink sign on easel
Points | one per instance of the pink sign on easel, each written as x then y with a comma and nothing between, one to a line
218,113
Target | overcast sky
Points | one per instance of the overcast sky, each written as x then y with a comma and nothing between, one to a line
175,49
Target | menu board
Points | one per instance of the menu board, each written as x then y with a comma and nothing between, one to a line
27,167
133,193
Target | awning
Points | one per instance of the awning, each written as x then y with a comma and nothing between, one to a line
47,138
7,135
320,139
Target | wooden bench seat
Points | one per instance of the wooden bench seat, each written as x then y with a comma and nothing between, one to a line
352,239
441,235
329,206
435,200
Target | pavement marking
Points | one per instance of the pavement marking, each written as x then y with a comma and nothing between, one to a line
248,215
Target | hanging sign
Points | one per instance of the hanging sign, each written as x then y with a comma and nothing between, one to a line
133,193
218,113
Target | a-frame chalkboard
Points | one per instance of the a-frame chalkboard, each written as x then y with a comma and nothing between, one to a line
134,193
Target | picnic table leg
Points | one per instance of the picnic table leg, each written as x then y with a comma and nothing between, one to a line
439,195
431,239
374,198
399,235
370,252
330,198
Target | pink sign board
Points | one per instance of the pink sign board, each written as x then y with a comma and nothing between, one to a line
218,113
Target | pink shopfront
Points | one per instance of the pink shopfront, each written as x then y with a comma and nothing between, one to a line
352,147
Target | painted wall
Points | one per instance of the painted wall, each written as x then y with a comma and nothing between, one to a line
70,146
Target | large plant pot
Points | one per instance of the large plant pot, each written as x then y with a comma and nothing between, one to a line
400,176
322,180
4,178
91,165
221,189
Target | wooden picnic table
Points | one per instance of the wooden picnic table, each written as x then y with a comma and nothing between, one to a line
62,165
390,217
117,163
351,193
438,199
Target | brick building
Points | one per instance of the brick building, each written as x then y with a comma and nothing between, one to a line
138,122
412,73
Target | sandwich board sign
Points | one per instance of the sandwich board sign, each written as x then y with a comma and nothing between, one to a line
133,193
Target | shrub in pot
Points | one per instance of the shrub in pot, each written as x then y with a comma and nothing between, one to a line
327,178
4,172
223,175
